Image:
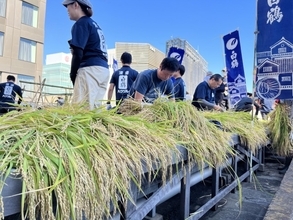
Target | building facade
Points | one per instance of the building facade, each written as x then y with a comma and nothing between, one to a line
22,25
111,57
196,66
56,74
144,55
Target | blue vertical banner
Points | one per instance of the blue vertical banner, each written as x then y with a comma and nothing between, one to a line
274,49
235,71
177,53
115,65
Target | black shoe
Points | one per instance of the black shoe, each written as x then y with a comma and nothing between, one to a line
282,167
283,171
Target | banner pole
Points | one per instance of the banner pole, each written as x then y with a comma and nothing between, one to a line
225,70
254,69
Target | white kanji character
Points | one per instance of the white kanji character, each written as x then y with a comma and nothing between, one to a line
274,14
234,63
270,17
233,55
273,2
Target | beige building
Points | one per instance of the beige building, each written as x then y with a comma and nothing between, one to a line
22,25
144,55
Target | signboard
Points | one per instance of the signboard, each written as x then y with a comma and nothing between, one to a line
274,49
235,71
176,53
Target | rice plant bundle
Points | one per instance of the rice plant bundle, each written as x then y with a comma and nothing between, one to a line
280,128
205,142
86,158
252,133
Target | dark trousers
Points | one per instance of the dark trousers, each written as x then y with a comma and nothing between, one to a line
4,110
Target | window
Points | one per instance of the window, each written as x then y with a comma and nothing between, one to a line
2,8
27,50
1,43
282,50
26,86
29,14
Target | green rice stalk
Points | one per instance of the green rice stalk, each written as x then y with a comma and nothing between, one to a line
280,128
87,158
203,140
252,134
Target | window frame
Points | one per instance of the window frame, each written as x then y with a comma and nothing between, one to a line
31,87
2,48
35,9
5,8
32,53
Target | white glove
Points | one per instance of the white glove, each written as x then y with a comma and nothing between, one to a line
109,107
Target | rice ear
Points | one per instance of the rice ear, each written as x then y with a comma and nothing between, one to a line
89,159
280,128
252,134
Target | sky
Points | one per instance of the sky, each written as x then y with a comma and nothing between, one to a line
202,23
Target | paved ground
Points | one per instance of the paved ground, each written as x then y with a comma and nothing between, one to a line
282,204
255,197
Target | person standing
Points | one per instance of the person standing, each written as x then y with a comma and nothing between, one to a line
267,105
179,84
219,94
89,66
152,84
204,94
9,91
226,98
248,103
122,80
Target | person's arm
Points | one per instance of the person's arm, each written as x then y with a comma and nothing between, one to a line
19,93
111,87
75,62
110,92
80,34
138,96
205,103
